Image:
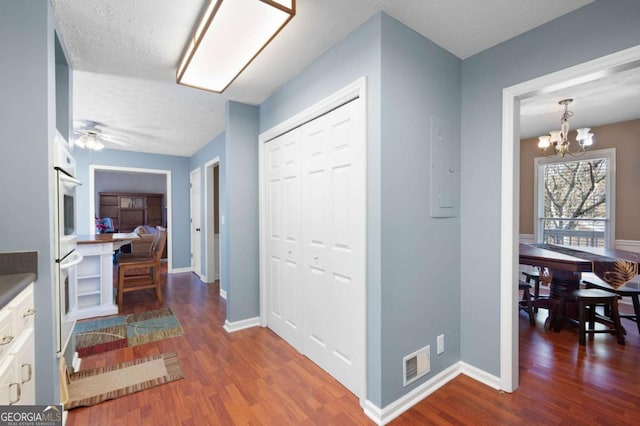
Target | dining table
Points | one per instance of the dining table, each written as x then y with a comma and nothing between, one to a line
566,265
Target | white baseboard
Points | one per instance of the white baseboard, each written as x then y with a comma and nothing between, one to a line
628,245
178,270
223,294
480,375
527,238
231,327
404,403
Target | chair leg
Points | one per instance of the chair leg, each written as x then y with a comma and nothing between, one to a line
120,285
532,318
582,308
615,317
592,316
156,277
636,309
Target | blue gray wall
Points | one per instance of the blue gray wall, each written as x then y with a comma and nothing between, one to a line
27,126
213,149
356,56
593,31
412,260
240,210
420,254
179,167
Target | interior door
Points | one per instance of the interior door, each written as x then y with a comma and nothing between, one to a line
315,186
283,209
196,227
333,200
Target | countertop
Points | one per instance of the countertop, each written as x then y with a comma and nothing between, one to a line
105,238
12,284
17,271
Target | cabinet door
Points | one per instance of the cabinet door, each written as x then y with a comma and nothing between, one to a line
130,218
9,386
24,364
154,210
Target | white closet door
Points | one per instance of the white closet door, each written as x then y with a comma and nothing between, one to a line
333,196
284,221
315,186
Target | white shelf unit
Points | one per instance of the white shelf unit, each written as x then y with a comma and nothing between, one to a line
91,293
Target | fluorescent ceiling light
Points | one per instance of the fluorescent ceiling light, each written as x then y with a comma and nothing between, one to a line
229,36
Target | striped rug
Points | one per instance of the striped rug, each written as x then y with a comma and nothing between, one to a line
90,387
120,331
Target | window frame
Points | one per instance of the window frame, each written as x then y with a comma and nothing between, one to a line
538,202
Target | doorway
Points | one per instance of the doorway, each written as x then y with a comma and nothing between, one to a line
212,253
510,193
166,174
195,223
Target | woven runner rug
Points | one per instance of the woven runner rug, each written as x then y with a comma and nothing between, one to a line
616,272
90,387
120,331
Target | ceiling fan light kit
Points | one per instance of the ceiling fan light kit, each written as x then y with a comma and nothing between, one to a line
89,141
558,140
229,36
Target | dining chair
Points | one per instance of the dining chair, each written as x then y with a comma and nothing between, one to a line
525,303
588,299
141,272
591,280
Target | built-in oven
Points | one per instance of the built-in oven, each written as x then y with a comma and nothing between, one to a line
65,253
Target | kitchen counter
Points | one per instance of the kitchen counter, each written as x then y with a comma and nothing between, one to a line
17,271
106,238
12,284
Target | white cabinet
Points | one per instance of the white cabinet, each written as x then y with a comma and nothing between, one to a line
91,293
17,351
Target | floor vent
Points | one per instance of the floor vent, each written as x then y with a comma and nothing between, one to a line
416,365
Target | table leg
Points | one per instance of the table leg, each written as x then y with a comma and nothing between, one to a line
561,282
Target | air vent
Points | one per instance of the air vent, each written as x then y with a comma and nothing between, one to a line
416,365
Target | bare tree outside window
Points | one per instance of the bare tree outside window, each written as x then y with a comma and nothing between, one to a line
575,202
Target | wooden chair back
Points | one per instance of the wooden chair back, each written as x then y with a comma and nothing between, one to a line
129,277
158,243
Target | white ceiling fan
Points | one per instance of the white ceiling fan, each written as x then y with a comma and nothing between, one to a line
91,135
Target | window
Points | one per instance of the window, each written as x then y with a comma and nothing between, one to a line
575,199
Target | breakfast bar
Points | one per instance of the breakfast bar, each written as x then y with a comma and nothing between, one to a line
92,295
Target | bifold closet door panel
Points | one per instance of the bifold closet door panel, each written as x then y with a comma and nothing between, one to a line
333,231
314,207
284,221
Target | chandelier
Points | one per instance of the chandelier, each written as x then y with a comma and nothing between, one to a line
557,142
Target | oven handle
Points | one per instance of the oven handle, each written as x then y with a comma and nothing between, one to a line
68,179
73,259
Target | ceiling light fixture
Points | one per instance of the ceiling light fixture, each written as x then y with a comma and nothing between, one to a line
558,139
229,36
90,141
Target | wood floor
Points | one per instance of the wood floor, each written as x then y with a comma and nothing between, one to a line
252,377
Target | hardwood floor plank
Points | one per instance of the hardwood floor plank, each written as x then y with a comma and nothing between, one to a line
253,377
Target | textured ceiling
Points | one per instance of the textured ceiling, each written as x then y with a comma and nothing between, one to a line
611,99
124,54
